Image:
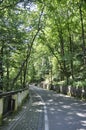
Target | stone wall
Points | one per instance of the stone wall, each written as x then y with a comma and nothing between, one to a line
15,102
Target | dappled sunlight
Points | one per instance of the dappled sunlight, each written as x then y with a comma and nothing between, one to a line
64,113
70,113
84,104
37,103
39,110
67,113
66,106
81,114
51,100
15,119
52,110
61,103
83,123
59,110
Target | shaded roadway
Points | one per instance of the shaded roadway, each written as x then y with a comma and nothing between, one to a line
64,113
47,110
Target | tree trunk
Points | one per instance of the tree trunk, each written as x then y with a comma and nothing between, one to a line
70,47
63,65
7,67
1,67
21,78
71,51
83,34
25,73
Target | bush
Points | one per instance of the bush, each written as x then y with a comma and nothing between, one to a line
78,83
84,83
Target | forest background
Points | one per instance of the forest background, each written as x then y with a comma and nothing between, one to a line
43,41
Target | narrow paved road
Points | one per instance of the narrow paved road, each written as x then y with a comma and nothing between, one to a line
47,110
61,112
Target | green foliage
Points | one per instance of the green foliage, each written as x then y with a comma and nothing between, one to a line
84,83
62,83
58,51
78,84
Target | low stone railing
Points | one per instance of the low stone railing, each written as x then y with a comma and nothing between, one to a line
11,101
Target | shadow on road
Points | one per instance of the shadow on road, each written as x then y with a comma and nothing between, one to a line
64,113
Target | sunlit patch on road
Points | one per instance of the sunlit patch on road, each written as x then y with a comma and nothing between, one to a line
81,114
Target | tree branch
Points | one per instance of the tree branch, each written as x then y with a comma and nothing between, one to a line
29,48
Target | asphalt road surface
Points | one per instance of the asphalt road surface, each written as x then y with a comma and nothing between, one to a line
47,110
61,112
